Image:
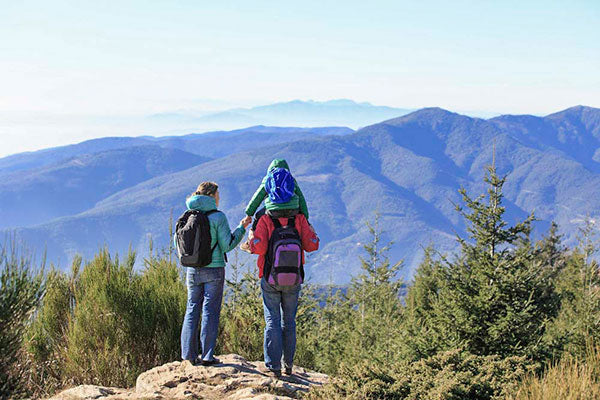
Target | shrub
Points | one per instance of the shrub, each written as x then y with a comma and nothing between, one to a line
45,339
106,324
20,291
451,375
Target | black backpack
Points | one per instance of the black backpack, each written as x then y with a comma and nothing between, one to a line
283,263
192,233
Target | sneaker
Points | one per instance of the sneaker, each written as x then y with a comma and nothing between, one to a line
245,246
207,363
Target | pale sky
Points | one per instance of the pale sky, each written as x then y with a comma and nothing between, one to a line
74,69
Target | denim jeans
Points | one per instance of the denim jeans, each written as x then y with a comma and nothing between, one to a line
205,295
280,333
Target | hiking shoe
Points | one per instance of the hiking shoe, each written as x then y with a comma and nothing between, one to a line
207,363
245,246
288,371
275,373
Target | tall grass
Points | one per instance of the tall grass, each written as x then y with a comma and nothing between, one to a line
568,379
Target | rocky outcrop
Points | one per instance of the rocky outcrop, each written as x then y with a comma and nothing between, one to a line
233,379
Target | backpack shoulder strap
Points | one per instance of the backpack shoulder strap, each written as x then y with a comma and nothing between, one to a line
207,213
292,221
275,222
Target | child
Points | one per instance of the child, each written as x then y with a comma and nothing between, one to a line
273,204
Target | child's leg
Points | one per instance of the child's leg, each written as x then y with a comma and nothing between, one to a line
257,216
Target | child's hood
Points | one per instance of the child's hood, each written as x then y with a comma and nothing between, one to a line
201,203
278,163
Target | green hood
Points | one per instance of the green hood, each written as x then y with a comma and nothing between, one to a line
201,203
278,163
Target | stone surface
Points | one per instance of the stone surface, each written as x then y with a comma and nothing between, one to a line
233,379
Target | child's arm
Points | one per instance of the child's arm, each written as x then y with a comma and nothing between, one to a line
301,199
258,197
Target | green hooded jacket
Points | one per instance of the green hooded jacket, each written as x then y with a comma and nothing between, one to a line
219,229
296,202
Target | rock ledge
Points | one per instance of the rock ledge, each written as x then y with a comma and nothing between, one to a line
233,379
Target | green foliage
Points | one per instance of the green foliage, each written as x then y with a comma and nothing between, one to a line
496,296
451,375
105,323
362,324
577,327
45,339
21,288
124,323
242,323
419,338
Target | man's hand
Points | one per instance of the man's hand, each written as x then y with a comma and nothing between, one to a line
246,221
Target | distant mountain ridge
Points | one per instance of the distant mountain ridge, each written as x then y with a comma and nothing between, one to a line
408,169
209,144
341,112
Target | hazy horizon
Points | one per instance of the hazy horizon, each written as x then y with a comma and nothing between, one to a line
72,71
65,129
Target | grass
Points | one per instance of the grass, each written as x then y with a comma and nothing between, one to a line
568,379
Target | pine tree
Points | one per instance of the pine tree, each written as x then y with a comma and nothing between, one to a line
577,327
418,339
374,297
497,295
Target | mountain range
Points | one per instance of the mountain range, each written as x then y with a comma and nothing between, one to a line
123,191
342,112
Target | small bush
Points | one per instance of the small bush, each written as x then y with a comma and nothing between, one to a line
45,339
451,375
20,291
124,322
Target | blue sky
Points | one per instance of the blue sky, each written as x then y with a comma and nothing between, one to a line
63,60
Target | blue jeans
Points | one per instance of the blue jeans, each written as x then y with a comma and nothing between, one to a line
280,334
205,294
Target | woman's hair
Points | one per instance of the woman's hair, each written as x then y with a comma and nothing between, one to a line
207,189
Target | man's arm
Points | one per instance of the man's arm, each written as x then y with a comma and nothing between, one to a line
310,240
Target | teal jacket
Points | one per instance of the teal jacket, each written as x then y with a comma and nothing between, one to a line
296,202
219,229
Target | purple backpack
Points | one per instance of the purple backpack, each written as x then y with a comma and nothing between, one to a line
283,264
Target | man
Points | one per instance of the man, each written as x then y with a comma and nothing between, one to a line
205,284
278,299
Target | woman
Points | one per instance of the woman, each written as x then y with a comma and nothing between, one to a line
205,284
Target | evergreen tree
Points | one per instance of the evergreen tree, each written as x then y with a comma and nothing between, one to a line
497,296
577,327
374,307
418,339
